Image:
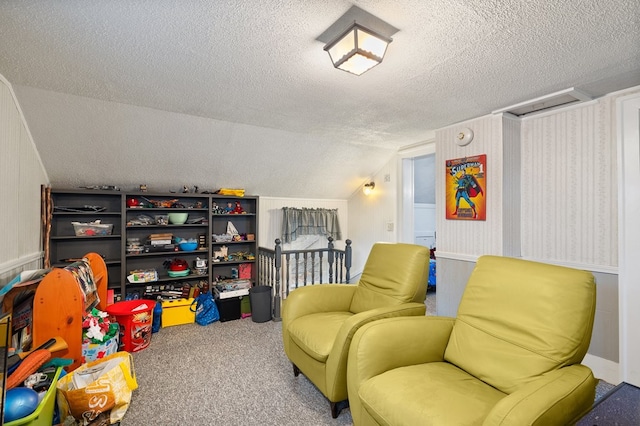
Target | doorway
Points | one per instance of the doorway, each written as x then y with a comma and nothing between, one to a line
424,201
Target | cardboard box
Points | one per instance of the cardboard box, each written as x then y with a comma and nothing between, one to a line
177,312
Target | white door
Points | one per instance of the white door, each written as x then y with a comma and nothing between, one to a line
629,236
410,227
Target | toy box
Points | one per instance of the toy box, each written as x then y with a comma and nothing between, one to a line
177,312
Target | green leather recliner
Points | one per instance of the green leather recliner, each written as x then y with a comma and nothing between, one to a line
318,322
510,357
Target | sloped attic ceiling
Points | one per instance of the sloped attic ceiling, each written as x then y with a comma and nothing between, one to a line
241,94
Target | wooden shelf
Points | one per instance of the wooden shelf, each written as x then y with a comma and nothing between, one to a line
86,237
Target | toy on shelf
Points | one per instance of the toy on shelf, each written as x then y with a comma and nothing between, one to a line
221,254
215,209
238,208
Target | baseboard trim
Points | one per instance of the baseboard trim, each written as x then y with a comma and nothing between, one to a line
20,262
604,369
576,265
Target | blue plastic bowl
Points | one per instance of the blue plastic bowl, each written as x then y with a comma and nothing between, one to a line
188,246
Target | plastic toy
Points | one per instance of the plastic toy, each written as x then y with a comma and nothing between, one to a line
238,208
19,403
216,209
229,208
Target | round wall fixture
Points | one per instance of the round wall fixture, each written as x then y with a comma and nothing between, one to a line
464,136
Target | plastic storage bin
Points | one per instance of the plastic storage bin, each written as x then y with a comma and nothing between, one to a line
177,312
43,416
135,318
229,308
92,229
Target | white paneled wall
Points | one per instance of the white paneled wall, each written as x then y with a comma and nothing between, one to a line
21,175
469,238
270,217
374,218
569,195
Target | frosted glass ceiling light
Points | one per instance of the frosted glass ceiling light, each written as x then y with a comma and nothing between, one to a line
358,49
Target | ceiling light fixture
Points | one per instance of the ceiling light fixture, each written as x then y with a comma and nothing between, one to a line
358,49
368,188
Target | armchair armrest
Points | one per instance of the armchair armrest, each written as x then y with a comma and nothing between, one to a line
318,298
313,299
337,359
555,398
391,343
395,342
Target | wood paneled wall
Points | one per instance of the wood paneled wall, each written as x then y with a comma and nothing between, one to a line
569,202
552,185
464,239
21,175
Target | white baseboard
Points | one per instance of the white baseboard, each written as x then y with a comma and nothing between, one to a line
20,262
604,369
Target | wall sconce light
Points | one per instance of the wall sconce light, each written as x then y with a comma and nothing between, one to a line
358,49
368,188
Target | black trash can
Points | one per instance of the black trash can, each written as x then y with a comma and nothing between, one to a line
260,298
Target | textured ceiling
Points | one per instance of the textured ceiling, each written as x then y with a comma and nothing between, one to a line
258,63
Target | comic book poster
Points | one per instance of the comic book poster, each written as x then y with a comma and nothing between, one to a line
465,188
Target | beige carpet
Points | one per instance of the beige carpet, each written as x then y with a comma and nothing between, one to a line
231,373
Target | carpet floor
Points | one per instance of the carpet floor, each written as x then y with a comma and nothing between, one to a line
231,373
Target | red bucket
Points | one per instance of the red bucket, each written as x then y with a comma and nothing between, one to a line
135,318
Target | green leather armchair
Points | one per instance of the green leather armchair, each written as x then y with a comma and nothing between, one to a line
318,322
510,357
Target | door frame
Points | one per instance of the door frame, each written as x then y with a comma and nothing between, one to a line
628,134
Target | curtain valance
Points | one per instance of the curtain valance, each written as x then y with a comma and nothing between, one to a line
306,221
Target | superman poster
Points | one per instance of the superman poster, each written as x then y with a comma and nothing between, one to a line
466,188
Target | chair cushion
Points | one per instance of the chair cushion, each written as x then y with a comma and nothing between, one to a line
520,319
316,333
394,274
436,393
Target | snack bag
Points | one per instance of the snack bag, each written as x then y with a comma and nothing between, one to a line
101,386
